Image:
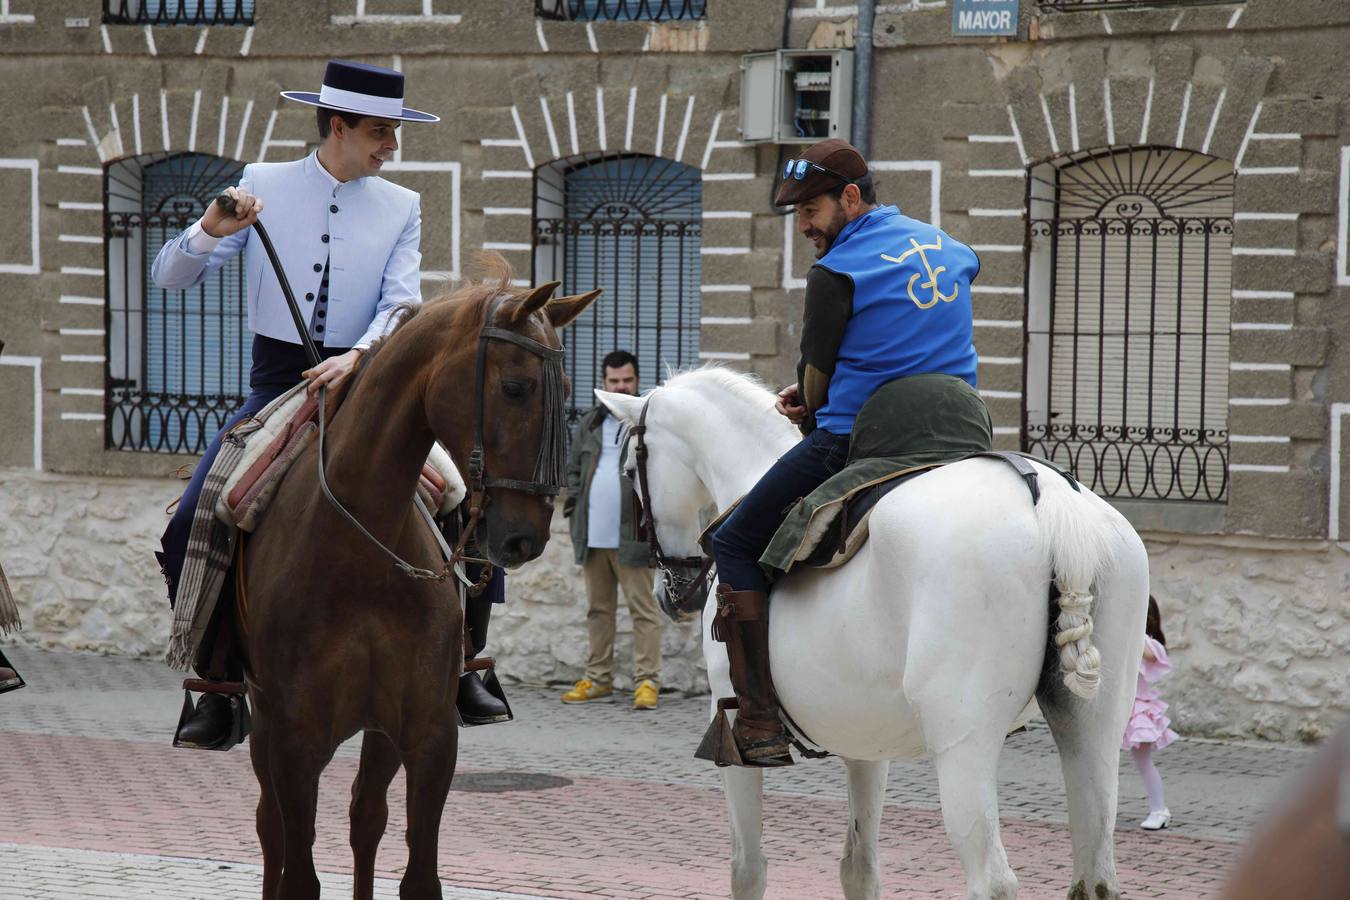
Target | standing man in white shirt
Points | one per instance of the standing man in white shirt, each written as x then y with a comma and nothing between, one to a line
349,242
603,509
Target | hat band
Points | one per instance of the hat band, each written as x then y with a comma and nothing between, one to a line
369,104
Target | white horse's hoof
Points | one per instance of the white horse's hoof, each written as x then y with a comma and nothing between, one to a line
1157,820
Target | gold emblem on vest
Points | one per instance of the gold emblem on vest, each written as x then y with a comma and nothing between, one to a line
933,273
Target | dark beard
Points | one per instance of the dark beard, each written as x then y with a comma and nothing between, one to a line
836,225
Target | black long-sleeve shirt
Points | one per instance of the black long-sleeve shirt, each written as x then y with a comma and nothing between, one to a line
829,305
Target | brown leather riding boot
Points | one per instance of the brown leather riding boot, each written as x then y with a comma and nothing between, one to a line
742,623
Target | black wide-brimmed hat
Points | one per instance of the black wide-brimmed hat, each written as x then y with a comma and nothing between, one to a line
363,89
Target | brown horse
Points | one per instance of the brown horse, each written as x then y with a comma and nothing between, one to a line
339,639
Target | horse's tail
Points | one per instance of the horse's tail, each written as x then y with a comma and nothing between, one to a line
1079,538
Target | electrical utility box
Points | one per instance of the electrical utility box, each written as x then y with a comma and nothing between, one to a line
796,96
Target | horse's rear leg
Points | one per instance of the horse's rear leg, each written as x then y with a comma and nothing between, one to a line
744,789
859,870
967,769
370,808
270,835
429,757
1088,733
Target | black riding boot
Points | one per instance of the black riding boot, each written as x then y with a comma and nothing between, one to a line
477,704
211,724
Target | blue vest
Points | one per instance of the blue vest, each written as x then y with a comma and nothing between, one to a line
911,309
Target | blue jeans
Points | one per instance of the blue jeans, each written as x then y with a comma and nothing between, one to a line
276,369
743,537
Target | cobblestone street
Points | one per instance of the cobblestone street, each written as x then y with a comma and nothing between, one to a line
94,803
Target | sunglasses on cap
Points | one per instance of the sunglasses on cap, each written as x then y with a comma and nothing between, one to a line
798,169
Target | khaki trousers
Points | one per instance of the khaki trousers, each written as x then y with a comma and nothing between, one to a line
604,576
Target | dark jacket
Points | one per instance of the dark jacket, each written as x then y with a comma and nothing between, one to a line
582,461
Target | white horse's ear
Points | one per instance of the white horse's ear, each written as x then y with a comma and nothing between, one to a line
626,407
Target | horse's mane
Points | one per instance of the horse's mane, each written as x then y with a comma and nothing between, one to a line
470,301
745,389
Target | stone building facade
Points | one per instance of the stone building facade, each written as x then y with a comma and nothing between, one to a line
1159,194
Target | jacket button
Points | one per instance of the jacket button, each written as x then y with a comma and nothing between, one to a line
322,313
318,329
333,208
324,238
318,267
309,298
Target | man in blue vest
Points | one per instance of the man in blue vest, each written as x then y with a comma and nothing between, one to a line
888,298
349,243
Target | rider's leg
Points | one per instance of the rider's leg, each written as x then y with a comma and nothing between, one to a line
743,616
477,706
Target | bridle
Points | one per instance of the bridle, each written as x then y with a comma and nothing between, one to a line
689,578
549,470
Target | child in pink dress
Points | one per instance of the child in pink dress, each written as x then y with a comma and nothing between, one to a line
1148,728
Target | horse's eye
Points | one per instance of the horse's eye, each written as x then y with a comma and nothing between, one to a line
513,389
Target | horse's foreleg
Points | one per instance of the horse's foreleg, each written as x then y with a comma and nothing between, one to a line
270,835
744,788
370,808
429,757
296,761
967,769
859,871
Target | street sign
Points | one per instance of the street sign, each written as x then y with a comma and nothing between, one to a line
984,18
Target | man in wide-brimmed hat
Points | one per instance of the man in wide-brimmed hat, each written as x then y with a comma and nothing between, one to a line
888,315
349,244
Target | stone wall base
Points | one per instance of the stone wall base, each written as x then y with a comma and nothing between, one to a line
1258,630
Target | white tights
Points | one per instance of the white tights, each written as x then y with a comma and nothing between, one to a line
1153,786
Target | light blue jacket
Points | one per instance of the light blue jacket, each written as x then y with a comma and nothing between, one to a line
374,228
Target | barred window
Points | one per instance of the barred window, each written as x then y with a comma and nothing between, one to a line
178,12
632,225
178,361
620,10
1127,338
1071,5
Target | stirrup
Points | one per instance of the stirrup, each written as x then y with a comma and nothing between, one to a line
490,683
14,683
719,743
241,722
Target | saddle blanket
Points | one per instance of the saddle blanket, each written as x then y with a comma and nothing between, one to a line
9,610
277,435
252,459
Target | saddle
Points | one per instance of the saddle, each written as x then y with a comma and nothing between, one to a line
276,436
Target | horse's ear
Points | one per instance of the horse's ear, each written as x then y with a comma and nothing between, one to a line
533,301
563,311
626,407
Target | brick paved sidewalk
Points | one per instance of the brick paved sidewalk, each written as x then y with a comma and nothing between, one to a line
85,765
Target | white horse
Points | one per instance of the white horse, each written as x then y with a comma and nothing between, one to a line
933,639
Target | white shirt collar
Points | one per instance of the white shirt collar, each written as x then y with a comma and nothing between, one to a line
327,177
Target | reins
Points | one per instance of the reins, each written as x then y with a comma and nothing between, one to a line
690,577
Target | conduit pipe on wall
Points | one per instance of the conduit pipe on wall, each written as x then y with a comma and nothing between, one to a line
862,77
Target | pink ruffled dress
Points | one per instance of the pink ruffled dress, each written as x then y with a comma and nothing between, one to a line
1148,719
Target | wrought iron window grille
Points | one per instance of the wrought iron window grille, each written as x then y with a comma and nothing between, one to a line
177,361
1075,5
178,12
632,225
1127,320
620,10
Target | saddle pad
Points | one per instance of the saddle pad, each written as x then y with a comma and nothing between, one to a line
278,434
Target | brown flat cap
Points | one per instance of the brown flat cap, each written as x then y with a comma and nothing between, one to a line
840,160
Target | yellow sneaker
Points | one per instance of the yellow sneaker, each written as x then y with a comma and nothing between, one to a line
587,690
645,695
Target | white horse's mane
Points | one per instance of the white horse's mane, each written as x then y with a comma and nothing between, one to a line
743,388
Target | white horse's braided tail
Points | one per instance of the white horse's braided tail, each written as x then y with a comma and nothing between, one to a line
1078,539
1081,662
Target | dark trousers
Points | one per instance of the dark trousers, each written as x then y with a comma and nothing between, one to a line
743,537
277,367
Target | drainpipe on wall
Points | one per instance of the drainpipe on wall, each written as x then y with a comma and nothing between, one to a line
862,77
